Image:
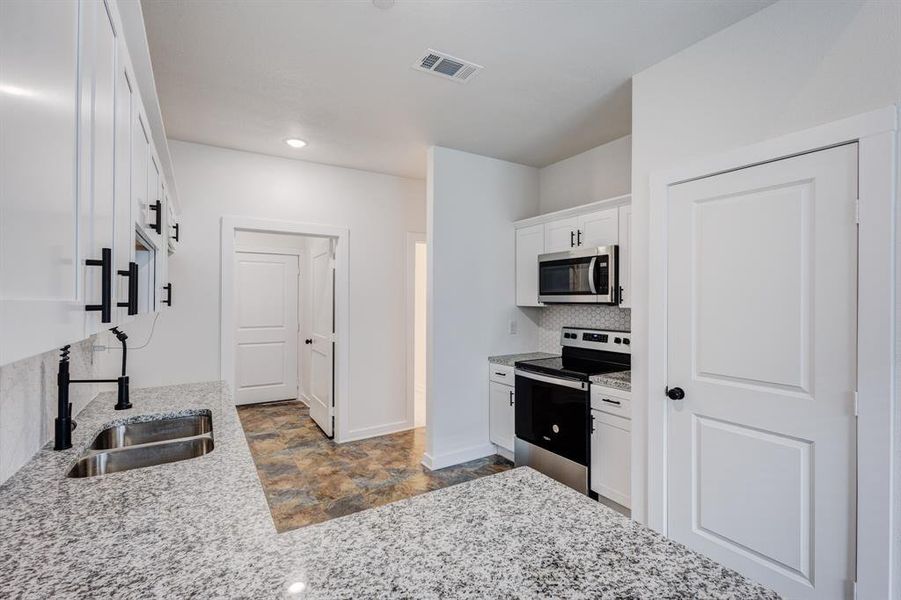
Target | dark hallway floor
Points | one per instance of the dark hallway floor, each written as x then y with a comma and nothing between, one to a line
309,479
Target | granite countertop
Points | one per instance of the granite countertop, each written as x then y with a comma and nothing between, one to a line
620,380
509,360
202,528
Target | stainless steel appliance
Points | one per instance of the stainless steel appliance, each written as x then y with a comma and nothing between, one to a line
589,276
553,407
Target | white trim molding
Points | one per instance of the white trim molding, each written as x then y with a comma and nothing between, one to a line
458,456
229,225
411,239
876,133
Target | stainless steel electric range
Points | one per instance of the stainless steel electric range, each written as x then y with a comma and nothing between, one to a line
553,407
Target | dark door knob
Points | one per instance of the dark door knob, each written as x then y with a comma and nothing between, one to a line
675,393
308,341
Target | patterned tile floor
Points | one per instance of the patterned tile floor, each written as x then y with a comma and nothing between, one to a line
309,479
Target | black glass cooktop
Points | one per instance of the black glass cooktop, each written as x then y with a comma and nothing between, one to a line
571,367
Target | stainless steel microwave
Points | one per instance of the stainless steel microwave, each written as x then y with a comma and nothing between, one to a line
584,276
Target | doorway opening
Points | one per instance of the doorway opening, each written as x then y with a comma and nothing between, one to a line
416,253
279,320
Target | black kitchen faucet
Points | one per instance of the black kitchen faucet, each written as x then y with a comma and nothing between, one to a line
64,423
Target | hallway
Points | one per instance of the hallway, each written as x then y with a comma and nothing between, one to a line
309,479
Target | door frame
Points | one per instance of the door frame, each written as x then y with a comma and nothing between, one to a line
300,256
876,132
412,238
341,383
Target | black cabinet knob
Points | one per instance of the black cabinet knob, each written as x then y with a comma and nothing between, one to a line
675,393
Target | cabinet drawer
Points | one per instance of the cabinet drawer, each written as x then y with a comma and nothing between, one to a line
603,401
501,374
621,423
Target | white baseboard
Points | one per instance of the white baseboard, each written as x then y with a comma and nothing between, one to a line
457,457
504,452
303,398
377,430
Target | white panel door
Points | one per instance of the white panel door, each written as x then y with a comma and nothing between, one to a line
501,420
529,244
762,338
560,235
40,266
322,350
600,228
266,329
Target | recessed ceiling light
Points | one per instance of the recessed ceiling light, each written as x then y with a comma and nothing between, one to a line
295,143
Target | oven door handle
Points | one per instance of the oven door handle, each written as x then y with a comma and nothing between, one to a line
570,383
591,275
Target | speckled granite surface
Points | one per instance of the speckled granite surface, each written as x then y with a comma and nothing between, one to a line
200,528
509,360
621,380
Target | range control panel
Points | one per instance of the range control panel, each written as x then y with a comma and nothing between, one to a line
597,339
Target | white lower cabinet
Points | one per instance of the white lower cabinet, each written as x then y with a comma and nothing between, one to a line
501,402
611,445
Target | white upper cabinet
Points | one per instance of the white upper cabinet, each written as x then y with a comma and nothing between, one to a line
40,265
625,256
599,228
74,162
97,67
572,229
560,235
529,244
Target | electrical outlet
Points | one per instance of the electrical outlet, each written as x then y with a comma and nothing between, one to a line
514,327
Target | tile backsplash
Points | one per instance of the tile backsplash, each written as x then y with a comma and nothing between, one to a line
28,395
595,316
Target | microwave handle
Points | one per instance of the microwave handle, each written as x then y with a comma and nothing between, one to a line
592,275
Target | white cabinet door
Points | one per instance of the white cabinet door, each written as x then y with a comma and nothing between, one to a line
599,228
501,400
560,235
124,237
625,256
611,447
97,64
529,244
40,265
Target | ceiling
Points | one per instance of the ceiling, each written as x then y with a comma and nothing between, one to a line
248,74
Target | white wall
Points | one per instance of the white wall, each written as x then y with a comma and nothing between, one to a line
472,203
420,299
790,66
596,174
377,209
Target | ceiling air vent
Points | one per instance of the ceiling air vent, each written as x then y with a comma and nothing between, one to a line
447,66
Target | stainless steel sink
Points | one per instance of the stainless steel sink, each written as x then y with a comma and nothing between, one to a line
145,432
145,444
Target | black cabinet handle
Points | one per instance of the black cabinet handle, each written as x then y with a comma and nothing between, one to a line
106,285
613,402
578,237
168,300
132,274
572,239
592,423
511,397
501,373
175,227
157,224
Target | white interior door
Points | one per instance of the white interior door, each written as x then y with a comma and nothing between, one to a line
266,329
762,305
322,350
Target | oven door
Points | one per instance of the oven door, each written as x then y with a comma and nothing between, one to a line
553,414
568,277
